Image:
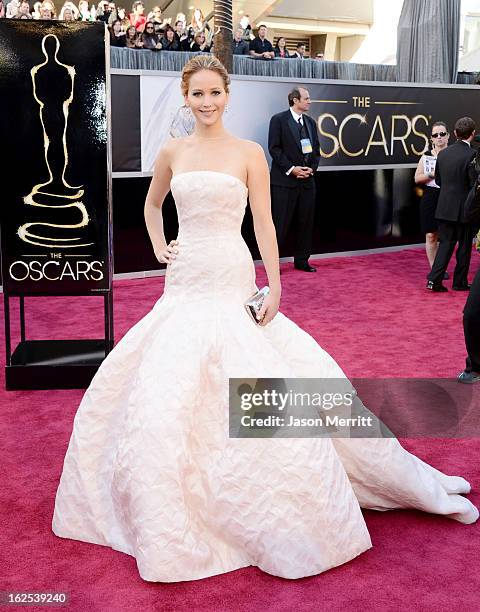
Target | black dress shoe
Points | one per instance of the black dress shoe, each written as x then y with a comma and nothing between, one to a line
468,378
306,267
437,287
461,288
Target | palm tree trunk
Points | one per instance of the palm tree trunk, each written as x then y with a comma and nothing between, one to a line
223,32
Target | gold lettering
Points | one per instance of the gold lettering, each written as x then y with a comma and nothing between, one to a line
402,137
421,134
328,135
361,118
376,143
361,101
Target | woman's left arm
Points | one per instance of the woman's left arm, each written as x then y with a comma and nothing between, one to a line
260,204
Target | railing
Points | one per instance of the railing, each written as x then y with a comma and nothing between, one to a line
142,59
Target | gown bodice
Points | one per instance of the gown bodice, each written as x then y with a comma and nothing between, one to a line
209,204
213,261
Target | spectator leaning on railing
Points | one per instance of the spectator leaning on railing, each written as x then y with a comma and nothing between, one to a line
150,39
132,38
200,43
239,46
281,50
181,35
299,52
169,41
260,47
117,35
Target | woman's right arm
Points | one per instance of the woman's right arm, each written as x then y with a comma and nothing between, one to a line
157,192
420,176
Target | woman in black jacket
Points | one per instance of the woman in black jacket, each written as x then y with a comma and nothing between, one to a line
169,41
280,48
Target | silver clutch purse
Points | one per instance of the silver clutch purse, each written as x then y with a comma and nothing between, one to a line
254,304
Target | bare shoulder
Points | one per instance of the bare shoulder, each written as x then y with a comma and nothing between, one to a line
252,151
251,146
169,150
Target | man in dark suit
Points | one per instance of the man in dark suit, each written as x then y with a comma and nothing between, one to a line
471,330
295,149
299,52
455,174
471,312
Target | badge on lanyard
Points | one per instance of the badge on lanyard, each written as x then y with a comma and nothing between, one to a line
306,145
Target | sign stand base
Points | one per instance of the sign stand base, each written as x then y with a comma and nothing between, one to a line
55,364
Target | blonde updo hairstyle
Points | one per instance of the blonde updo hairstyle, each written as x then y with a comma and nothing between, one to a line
203,62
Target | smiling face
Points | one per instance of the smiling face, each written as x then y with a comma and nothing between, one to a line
206,96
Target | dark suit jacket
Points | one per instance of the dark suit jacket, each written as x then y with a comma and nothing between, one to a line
455,174
286,151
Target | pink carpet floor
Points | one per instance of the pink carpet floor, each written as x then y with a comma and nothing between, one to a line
373,314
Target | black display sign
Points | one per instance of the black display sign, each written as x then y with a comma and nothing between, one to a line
376,125
56,189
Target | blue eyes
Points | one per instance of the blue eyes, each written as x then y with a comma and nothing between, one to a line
215,93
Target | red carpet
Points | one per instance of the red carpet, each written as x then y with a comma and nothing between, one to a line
374,316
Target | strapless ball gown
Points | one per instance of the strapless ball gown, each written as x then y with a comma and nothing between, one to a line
150,469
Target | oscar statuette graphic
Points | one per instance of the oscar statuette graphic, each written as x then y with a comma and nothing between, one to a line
63,214
56,214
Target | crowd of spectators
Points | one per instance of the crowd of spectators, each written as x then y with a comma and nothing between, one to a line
136,30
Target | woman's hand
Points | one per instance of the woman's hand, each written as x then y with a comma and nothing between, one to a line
167,254
269,308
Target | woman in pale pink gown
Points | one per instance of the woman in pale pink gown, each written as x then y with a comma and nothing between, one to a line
150,469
